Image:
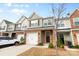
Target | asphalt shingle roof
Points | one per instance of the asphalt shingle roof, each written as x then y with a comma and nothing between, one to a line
8,22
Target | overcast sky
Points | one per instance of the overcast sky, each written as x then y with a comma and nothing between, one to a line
13,11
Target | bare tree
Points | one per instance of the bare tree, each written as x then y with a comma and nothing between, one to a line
57,12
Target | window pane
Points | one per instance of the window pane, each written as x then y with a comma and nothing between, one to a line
76,23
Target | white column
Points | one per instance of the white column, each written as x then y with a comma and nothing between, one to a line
71,34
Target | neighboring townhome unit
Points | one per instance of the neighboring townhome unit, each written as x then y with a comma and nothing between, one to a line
20,27
74,19
6,27
64,32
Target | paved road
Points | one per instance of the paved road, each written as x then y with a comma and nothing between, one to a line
14,50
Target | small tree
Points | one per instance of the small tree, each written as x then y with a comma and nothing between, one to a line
22,40
59,42
57,12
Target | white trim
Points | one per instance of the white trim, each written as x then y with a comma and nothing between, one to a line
77,34
45,35
71,34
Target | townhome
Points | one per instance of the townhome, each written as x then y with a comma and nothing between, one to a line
6,28
20,27
64,31
36,29
74,19
40,29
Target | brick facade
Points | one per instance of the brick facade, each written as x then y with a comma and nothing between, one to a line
74,15
74,32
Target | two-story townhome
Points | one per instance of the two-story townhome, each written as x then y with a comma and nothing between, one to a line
40,29
74,19
64,32
6,28
20,27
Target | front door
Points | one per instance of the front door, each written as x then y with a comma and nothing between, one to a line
47,33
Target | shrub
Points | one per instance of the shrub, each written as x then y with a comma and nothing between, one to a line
22,40
77,46
50,45
60,43
40,44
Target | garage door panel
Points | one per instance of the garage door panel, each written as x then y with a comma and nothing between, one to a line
32,38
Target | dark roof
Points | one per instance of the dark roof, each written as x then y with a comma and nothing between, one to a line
64,18
48,18
34,14
21,18
8,22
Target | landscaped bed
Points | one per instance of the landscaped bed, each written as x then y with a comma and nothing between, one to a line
44,52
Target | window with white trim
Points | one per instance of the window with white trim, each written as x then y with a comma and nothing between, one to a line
61,25
47,22
76,21
34,23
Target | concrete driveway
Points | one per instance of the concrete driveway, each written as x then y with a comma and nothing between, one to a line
14,50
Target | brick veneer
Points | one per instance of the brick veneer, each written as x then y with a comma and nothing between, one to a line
74,32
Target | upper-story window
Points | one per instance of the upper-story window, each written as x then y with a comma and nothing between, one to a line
61,25
18,25
34,23
2,28
76,21
47,22
24,26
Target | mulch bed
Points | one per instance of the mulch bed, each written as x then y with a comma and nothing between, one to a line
44,52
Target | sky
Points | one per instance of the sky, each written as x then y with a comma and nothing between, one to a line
13,11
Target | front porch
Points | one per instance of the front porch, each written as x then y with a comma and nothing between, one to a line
46,36
65,37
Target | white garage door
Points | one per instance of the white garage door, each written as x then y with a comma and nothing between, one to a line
32,38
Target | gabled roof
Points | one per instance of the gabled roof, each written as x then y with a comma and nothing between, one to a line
22,19
49,17
64,18
73,11
34,16
8,22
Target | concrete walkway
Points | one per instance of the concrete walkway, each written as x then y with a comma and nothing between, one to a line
14,50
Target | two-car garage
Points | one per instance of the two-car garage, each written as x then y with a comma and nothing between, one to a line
32,38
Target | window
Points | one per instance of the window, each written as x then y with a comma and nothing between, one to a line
34,23
76,21
18,25
24,26
61,25
47,22
2,28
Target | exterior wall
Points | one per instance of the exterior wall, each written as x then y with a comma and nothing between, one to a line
40,22
66,24
11,27
24,24
73,27
51,36
3,24
75,37
74,15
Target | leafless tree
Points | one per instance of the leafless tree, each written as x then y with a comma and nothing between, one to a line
58,10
